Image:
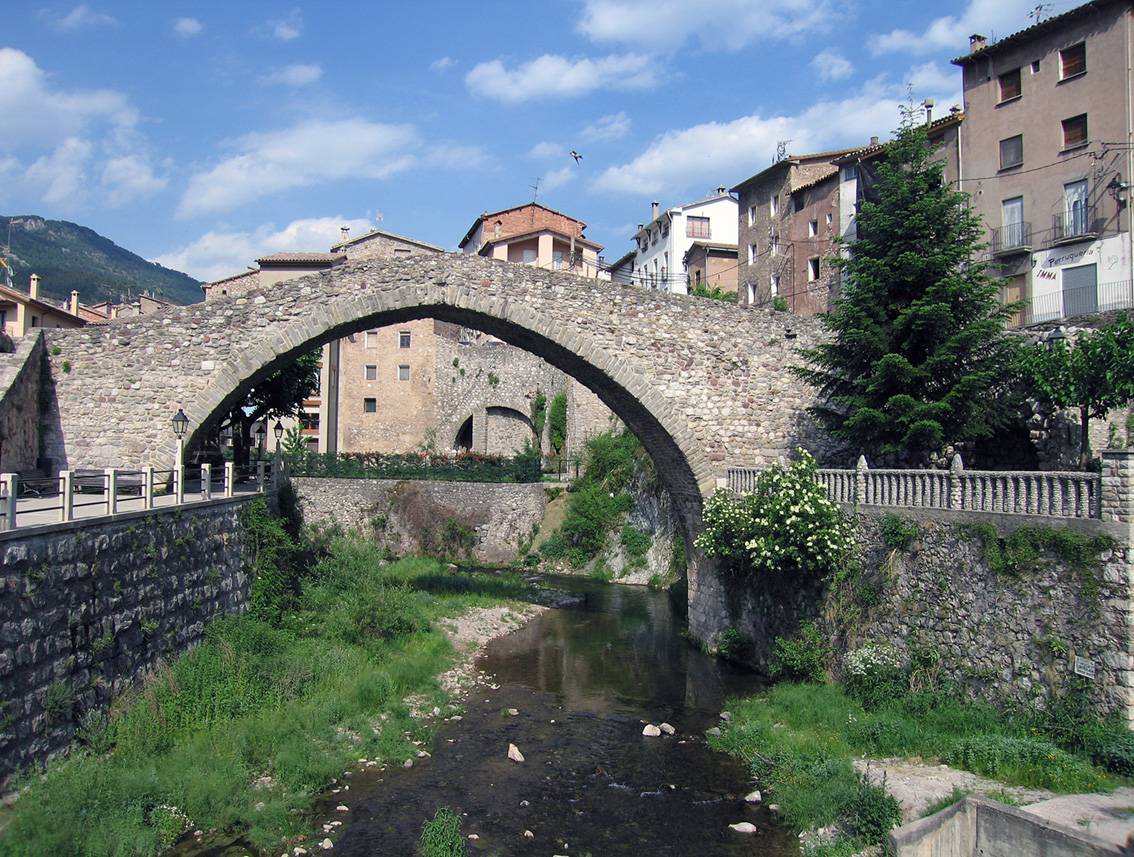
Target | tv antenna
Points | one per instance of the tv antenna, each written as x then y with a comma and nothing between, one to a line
1037,12
535,188
781,150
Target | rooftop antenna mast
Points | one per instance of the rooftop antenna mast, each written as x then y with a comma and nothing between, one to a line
535,188
1037,12
781,150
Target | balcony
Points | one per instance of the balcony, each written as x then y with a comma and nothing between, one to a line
1012,238
1080,223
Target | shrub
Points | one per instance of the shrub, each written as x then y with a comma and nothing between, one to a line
786,530
441,835
897,533
636,542
802,657
1117,756
557,420
875,675
733,645
871,812
1027,761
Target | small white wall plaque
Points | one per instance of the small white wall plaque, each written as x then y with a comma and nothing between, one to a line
1084,667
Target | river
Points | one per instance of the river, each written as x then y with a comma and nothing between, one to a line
583,681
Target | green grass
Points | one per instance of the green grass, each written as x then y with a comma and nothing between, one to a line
287,707
799,739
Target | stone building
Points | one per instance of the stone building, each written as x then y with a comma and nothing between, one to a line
534,235
21,313
1047,158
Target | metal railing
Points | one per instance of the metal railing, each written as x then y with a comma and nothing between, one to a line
1079,222
1010,237
1049,494
1068,303
82,494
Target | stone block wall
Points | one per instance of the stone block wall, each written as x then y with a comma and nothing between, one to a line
1006,638
21,374
87,609
408,517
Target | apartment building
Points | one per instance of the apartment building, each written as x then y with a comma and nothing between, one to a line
659,259
534,235
1046,155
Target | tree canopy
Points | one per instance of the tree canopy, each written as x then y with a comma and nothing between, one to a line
916,359
1094,375
279,395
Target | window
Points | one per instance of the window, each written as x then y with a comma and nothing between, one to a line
775,284
402,251
812,228
403,339
371,339
1073,61
774,205
371,373
309,421
1035,70
1012,216
850,173
1010,85
35,321
529,257
1075,208
1011,152
775,248
557,260
798,203
697,227
1075,131
830,217
752,216
753,254
813,268
403,373
370,406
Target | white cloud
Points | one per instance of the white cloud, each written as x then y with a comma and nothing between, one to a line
692,159
443,64
558,77
35,114
556,178
80,17
286,29
546,151
607,128
952,31
307,154
129,177
664,25
222,253
832,65
295,75
187,27
62,174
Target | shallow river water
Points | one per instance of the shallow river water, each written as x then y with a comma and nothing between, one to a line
584,680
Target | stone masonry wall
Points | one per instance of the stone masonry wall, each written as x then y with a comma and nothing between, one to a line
403,515
1006,638
21,374
86,610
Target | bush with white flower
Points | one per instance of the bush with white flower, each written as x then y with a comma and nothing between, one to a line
786,528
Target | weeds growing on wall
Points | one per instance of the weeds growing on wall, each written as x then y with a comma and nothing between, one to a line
286,705
1023,551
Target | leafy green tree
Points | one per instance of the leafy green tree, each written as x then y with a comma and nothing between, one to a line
1094,376
280,395
701,290
916,358
557,416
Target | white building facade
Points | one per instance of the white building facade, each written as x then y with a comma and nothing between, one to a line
663,242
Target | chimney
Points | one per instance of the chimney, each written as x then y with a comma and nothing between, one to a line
73,307
654,215
929,111
873,141
721,191
344,233
640,225
977,42
33,289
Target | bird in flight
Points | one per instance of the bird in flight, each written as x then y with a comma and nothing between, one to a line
576,156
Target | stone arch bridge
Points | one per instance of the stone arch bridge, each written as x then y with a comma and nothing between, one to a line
704,384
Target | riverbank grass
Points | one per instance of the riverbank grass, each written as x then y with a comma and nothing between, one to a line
245,730
799,740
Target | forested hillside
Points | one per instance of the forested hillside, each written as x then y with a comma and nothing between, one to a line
71,257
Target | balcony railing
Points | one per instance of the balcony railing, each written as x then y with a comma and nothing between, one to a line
1078,223
1069,303
1011,238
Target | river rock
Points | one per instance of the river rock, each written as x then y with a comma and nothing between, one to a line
726,716
327,845
743,827
513,712
408,763
514,753
666,728
342,808
714,731
754,797
651,731
529,835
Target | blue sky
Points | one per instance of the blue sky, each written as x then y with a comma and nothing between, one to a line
202,135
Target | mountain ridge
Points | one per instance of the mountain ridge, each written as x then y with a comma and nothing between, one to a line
71,257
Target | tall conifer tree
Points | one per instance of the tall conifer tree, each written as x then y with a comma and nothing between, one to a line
916,357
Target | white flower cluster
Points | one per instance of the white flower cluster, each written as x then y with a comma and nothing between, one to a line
871,660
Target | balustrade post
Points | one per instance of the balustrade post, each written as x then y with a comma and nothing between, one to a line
67,496
260,477
9,485
860,469
229,478
148,487
956,498
111,490
179,484
206,482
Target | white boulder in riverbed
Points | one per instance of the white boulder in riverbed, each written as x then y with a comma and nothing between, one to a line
743,827
514,753
754,797
651,731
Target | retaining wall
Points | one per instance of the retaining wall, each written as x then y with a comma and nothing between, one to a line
21,374
411,516
87,609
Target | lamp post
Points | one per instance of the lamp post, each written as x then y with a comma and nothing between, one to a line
261,434
278,432
180,426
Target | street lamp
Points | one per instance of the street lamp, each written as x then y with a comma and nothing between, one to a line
278,432
180,426
260,435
